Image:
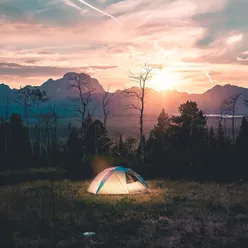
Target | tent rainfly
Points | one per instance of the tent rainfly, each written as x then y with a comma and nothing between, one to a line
118,180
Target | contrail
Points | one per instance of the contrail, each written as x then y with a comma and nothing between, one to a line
156,46
102,12
210,79
71,4
143,22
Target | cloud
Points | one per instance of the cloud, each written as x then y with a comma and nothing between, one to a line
45,53
234,39
56,13
218,24
14,69
51,37
10,65
31,61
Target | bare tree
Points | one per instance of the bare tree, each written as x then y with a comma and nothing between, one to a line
222,116
229,105
47,118
6,107
140,78
106,100
80,84
55,116
24,99
130,144
39,97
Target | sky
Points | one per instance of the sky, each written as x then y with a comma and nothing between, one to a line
197,43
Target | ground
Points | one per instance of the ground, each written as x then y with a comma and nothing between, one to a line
174,214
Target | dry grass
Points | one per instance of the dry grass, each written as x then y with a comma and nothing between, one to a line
174,214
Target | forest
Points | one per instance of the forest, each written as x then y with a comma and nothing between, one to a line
178,147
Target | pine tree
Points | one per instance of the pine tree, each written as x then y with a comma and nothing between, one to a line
121,145
158,138
220,135
242,139
190,125
74,144
211,138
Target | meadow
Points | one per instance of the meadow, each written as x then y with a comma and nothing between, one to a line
47,213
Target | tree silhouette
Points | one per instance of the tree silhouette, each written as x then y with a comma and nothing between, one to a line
230,107
19,144
190,124
157,138
24,99
242,139
38,97
80,84
140,78
96,141
106,100
74,145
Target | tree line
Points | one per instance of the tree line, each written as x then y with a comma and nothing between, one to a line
180,146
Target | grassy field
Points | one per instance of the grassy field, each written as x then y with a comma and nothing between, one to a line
174,214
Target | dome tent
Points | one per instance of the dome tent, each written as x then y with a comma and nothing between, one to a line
118,180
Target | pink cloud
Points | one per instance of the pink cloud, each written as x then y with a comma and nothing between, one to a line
169,28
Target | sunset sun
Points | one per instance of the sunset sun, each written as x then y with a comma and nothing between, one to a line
164,80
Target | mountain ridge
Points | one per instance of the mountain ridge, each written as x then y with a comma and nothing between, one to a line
209,101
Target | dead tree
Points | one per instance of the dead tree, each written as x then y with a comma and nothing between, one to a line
106,100
130,144
39,97
80,84
47,118
222,116
140,78
7,107
229,106
55,115
24,99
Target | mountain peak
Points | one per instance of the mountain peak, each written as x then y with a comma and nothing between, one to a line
69,74
4,86
59,88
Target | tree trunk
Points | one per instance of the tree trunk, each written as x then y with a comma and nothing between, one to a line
142,152
6,108
105,120
48,142
29,136
6,140
225,126
233,135
26,117
55,137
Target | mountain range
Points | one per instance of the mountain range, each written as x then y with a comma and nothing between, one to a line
170,100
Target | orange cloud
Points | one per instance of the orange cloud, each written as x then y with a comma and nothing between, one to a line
161,32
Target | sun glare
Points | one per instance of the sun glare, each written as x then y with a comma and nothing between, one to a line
164,80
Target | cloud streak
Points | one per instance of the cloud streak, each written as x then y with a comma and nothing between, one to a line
26,70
